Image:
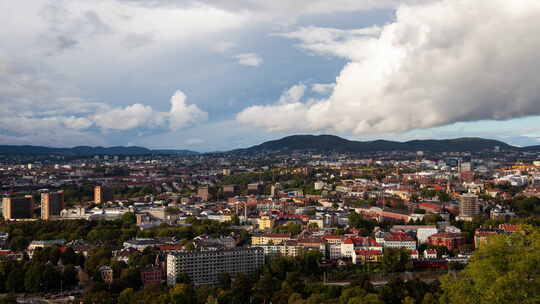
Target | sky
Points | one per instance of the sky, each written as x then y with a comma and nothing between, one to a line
214,75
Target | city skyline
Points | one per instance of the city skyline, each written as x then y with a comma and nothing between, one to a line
208,76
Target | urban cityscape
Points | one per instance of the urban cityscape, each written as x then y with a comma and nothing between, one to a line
281,225
270,152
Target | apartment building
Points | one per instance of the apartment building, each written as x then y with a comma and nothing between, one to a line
205,267
52,204
15,208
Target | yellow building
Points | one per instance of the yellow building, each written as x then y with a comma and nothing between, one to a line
269,238
265,222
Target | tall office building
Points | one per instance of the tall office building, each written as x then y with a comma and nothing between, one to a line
468,207
102,194
205,267
51,204
14,208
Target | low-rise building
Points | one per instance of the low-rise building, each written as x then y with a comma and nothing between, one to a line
107,274
141,243
289,248
365,256
4,236
449,240
399,240
151,275
430,254
42,244
273,238
349,245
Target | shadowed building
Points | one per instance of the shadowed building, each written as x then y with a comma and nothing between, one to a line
205,267
206,193
18,207
468,207
102,194
52,204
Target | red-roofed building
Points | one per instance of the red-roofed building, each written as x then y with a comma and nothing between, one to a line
449,240
349,245
364,256
399,240
430,254
169,247
430,207
509,228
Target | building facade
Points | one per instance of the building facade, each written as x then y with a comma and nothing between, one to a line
205,267
52,204
102,194
14,208
449,240
468,207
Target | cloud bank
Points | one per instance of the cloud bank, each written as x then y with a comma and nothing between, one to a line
438,63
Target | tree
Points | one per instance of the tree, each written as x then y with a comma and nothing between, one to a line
241,289
130,278
8,299
429,298
211,300
15,280
264,288
127,296
18,243
69,256
182,294
224,280
33,278
408,300
50,278
69,276
395,260
505,270
296,298
235,220
313,226
358,221
394,292
128,219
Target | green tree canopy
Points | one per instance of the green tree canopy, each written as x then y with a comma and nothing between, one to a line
505,270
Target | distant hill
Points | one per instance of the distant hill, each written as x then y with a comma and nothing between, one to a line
331,143
315,143
86,150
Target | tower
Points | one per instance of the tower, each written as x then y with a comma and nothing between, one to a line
51,204
18,207
102,194
468,207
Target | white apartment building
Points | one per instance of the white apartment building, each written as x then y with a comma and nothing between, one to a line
204,267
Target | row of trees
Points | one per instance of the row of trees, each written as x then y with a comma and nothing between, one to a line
49,270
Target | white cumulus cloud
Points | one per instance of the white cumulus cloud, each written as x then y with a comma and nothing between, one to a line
182,114
249,59
142,116
130,117
438,63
